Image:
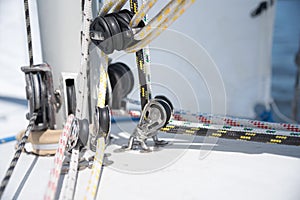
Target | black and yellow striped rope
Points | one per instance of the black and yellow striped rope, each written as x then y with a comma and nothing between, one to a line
234,134
142,73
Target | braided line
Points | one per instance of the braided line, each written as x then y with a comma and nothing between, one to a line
72,176
58,160
17,155
142,73
28,30
84,62
236,122
92,188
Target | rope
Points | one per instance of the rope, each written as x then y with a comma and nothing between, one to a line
142,73
17,155
72,175
58,160
177,127
159,19
107,6
237,122
28,30
151,35
223,131
92,188
103,81
82,75
206,118
119,5
147,58
69,189
34,115
139,16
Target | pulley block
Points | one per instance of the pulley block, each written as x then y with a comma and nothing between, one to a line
41,96
156,114
112,31
122,82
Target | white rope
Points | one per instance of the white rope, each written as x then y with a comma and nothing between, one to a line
92,188
103,81
82,79
153,31
142,13
58,160
69,190
107,6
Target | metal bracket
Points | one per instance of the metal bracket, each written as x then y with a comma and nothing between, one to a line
153,118
41,96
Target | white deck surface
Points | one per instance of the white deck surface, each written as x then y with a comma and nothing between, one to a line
186,169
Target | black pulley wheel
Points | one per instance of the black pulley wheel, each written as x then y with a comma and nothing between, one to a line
71,99
167,109
104,119
122,82
127,79
162,97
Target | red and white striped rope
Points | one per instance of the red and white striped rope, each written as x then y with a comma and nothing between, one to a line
231,121
58,160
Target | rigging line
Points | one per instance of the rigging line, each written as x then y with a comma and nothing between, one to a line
217,122
58,160
102,81
107,6
34,115
166,13
146,6
176,127
17,154
142,73
147,58
94,180
28,30
82,78
207,118
162,26
119,5
72,175
71,181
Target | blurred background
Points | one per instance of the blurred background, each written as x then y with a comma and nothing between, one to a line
286,43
